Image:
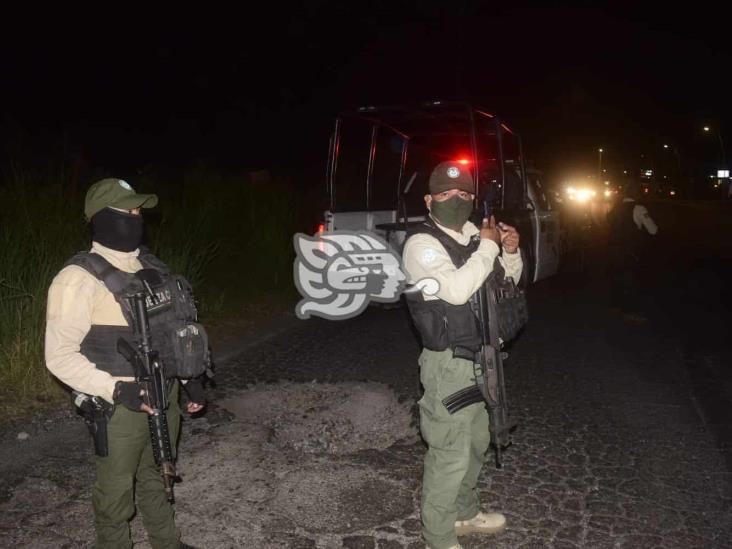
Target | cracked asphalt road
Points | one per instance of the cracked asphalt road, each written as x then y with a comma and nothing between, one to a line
623,438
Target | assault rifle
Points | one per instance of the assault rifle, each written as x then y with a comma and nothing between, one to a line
149,373
488,370
489,373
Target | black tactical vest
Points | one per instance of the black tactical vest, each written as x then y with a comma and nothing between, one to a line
440,324
620,222
181,342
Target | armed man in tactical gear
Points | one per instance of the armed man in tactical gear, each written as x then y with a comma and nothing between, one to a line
89,317
453,251
631,230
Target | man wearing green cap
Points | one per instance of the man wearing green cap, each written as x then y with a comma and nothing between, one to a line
83,323
452,250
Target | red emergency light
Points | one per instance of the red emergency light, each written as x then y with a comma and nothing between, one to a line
463,161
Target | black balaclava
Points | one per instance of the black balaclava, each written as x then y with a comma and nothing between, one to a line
119,231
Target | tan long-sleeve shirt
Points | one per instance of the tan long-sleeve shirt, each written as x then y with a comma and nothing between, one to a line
76,300
425,257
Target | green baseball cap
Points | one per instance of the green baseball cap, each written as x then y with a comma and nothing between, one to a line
117,194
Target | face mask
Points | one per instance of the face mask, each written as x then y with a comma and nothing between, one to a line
120,231
453,212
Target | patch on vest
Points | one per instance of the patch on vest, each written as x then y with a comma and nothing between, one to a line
162,299
428,256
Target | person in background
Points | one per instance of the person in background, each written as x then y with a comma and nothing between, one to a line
631,230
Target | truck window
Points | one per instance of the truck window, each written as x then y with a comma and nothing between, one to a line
385,174
513,185
542,202
354,148
489,178
423,154
513,189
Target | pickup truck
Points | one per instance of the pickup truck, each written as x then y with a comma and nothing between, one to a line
380,159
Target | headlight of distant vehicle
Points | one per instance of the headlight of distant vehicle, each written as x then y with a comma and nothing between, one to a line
580,195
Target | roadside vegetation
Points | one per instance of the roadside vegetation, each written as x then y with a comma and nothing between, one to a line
230,236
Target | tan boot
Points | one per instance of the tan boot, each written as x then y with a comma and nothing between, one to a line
482,523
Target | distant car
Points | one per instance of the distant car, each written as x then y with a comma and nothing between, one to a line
581,194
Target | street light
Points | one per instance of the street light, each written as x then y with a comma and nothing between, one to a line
675,150
599,164
721,144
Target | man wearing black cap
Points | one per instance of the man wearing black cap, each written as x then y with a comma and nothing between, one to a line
453,251
84,320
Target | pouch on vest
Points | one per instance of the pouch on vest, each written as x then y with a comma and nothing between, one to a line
183,302
509,302
190,346
182,341
431,323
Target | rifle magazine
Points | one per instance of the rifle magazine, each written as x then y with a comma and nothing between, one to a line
462,398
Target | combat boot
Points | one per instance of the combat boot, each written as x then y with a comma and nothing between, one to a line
482,523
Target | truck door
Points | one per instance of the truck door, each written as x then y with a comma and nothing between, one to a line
547,229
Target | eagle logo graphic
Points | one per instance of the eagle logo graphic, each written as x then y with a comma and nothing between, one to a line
339,272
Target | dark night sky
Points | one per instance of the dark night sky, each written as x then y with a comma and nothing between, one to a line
260,89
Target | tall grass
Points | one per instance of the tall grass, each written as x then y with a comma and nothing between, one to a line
38,232
229,237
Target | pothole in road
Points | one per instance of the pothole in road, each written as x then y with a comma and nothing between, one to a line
341,499
340,418
283,469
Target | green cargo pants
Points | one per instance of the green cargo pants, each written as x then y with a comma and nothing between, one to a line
130,470
457,448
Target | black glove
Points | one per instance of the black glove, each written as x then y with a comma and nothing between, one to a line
128,394
194,390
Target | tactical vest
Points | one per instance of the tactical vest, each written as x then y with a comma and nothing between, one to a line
181,342
440,324
620,222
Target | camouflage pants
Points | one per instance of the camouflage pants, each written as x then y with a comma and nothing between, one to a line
130,470
457,448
